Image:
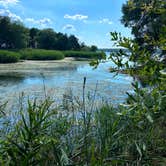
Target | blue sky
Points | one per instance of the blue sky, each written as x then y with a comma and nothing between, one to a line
90,20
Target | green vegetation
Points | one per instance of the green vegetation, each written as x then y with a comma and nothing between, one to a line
14,35
84,54
39,54
8,56
45,44
147,22
79,133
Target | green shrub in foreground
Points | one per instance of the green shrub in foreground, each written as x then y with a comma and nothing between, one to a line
8,56
39,54
84,54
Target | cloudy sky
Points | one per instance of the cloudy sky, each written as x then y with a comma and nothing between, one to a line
90,20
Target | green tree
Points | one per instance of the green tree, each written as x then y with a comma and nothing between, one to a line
73,43
47,39
19,36
4,31
13,34
147,20
93,48
62,42
33,34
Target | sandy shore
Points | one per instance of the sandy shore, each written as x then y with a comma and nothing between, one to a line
35,67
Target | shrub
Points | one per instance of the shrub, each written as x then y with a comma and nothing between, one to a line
40,54
8,56
84,54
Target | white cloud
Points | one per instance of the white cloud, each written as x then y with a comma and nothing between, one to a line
76,17
6,3
106,21
6,12
41,22
69,27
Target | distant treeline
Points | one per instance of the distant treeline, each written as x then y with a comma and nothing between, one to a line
14,35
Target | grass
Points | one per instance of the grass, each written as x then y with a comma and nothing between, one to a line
84,54
40,54
12,56
9,56
49,135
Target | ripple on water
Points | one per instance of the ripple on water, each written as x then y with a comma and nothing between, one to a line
60,77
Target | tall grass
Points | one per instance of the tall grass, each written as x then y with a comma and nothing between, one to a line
40,54
80,133
8,56
84,54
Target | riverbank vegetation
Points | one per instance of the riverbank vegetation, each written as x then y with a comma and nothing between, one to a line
14,35
9,57
36,44
79,131
41,54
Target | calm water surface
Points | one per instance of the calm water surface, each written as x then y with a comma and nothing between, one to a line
56,78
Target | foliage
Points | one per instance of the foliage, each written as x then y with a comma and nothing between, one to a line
79,133
140,64
13,34
30,141
33,35
84,54
40,54
148,23
8,56
46,39
93,48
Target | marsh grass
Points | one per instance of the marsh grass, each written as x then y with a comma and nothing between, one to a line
78,132
40,54
84,54
9,56
12,56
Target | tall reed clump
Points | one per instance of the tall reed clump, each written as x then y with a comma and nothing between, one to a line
31,142
133,134
84,54
9,56
40,54
81,132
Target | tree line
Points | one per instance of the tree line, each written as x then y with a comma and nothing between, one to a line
14,35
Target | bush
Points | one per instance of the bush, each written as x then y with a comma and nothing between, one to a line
84,54
40,54
8,56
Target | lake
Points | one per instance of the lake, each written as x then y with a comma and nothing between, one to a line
55,78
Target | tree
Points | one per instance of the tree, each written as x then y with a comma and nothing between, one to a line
147,20
62,42
4,31
47,39
33,34
12,34
73,43
19,36
93,48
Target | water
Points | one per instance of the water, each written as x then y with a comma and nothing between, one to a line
56,78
